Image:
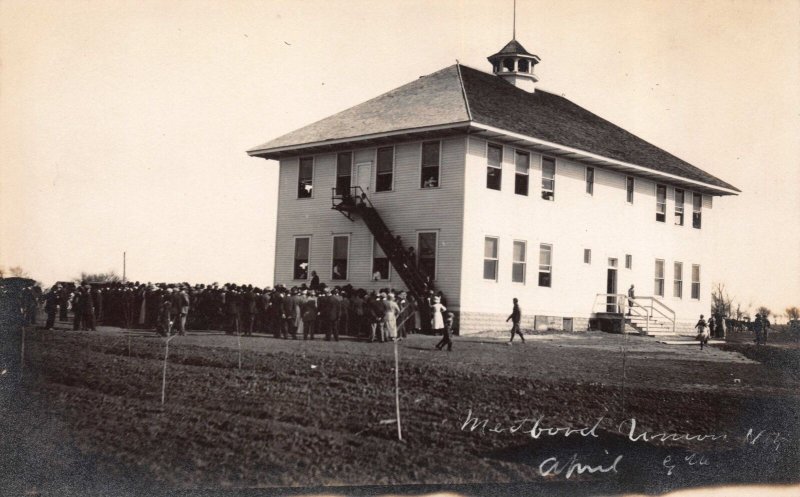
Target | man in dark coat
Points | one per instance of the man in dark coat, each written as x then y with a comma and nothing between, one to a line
515,317
329,314
51,306
88,309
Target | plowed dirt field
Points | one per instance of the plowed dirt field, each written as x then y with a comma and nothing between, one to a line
87,414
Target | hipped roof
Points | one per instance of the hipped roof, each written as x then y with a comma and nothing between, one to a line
462,97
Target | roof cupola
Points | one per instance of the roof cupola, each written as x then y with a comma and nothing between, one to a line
515,64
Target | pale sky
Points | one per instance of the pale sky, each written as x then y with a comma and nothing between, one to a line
124,125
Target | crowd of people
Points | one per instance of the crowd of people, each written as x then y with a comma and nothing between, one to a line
289,313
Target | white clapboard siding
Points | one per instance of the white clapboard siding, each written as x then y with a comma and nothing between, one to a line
406,210
603,222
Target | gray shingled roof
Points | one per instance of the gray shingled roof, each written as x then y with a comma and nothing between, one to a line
440,99
511,48
431,100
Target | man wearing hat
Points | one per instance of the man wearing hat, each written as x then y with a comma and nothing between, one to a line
515,317
329,312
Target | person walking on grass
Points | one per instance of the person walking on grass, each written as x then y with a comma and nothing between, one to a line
758,329
515,318
702,332
449,317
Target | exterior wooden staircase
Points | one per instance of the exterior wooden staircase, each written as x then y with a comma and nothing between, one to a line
353,202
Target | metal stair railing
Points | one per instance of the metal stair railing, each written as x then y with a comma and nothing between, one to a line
621,304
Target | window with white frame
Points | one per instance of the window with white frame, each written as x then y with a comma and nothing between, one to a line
385,169
587,256
344,172
679,199
429,172
697,210
380,263
661,203
341,248
305,177
628,261
519,261
659,278
696,281
522,162
548,178
545,265
426,253
302,248
677,280
629,188
494,166
590,180
490,258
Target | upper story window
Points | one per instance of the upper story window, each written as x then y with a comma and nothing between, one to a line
344,171
587,256
385,170
305,178
490,258
302,248
629,188
697,210
494,166
661,203
429,175
548,178
679,199
628,261
590,180
522,164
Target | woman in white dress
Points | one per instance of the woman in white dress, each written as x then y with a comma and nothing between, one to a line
390,312
437,320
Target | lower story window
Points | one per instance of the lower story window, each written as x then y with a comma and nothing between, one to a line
696,281
341,247
426,253
677,283
302,247
490,258
380,263
659,278
545,264
519,262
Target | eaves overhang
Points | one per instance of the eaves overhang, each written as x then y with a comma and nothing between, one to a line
592,159
369,140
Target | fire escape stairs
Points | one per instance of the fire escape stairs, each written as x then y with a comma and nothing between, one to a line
352,203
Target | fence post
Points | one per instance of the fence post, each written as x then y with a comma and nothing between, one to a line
397,391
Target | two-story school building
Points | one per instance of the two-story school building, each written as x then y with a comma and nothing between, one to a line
503,190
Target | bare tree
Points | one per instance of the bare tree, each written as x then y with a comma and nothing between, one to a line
721,301
18,272
792,313
108,277
764,311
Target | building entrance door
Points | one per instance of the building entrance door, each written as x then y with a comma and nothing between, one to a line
611,286
364,175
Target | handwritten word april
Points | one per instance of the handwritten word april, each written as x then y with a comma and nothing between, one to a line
551,466
473,423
